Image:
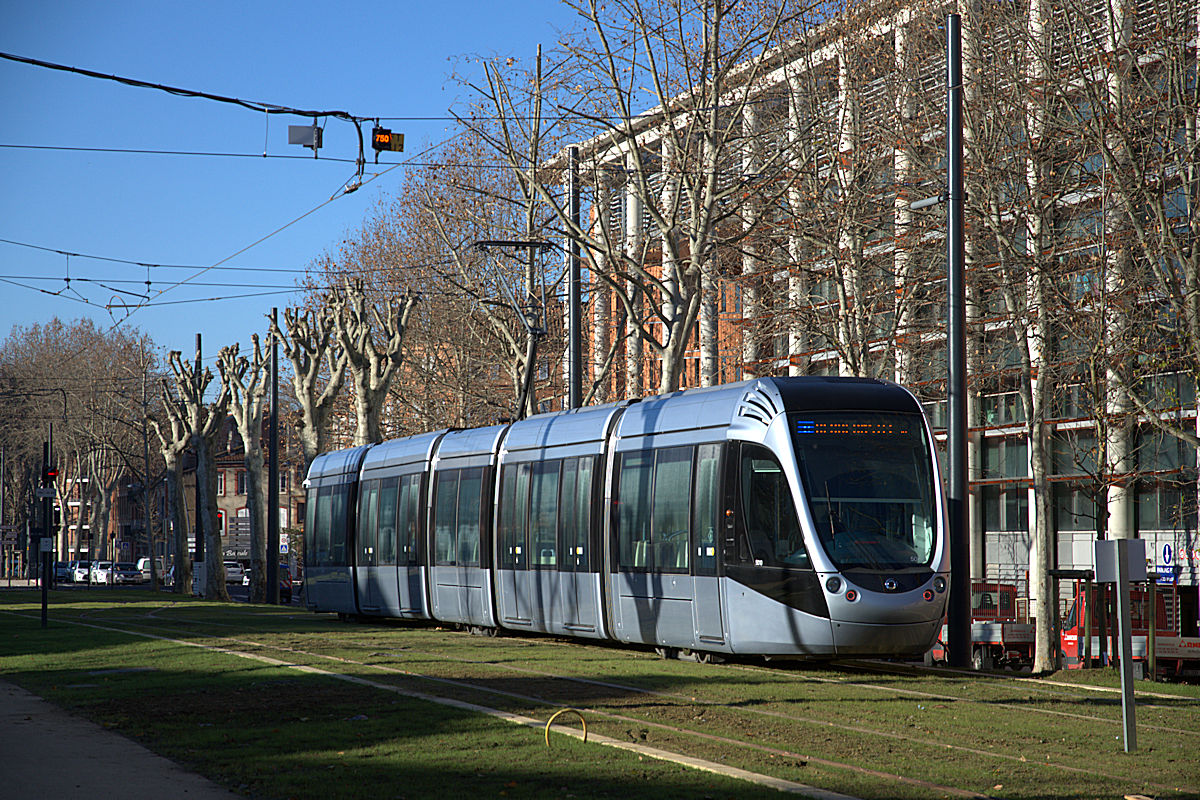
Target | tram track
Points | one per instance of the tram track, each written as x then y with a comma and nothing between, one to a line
372,655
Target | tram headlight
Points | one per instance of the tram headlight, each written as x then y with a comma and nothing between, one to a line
939,584
833,584
851,595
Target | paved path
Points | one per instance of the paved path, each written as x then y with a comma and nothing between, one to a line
48,754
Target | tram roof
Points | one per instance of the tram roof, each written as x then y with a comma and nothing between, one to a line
575,426
396,452
339,462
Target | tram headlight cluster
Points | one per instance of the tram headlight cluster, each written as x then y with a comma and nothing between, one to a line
833,584
939,584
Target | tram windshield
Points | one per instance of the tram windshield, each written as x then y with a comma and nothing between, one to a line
869,482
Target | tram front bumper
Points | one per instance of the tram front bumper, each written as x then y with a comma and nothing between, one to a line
884,639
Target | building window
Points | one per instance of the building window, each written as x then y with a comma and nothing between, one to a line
241,481
221,483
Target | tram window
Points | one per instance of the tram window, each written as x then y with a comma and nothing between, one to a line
322,513
543,523
576,505
583,512
386,553
445,518
408,523
567,526
704,505
368,504
653,510
633,510
514,509
672,495
469,488
769,513
337,527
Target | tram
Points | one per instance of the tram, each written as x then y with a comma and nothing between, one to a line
777,516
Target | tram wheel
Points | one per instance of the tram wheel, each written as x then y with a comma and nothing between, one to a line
666,652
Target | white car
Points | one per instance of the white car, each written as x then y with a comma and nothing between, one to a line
101,572
234,572
81,571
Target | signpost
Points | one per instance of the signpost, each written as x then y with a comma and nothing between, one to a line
1120,561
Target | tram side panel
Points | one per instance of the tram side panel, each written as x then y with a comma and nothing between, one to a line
654,592
549,500
546,577
388,571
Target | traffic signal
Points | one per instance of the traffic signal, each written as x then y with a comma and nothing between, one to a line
384,139
49,473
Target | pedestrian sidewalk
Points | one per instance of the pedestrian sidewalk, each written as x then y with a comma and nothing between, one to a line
47,753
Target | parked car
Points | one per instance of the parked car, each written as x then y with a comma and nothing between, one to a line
101,572
62,571
126,572
81,571
234,572
143,566
285,582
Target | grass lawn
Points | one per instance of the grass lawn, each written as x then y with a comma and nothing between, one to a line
239,710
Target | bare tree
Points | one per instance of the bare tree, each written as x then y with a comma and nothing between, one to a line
248,381
174,439
678,164
319,362
372,365
202,422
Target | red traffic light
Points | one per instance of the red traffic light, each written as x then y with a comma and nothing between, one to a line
50,473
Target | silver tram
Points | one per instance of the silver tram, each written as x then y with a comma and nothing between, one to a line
777,516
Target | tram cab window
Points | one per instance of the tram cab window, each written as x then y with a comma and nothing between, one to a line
869,485
771,527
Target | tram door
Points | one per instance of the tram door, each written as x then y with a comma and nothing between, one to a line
513,556
409,573
706,522
579,588
366,559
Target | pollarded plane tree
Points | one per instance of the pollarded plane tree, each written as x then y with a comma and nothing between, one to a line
248,379
199,422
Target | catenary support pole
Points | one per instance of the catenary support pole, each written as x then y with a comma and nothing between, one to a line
575,310
272,565
959,614
199,557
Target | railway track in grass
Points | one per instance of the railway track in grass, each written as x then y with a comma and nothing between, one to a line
948,735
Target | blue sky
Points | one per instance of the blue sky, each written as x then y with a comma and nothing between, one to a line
369,59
